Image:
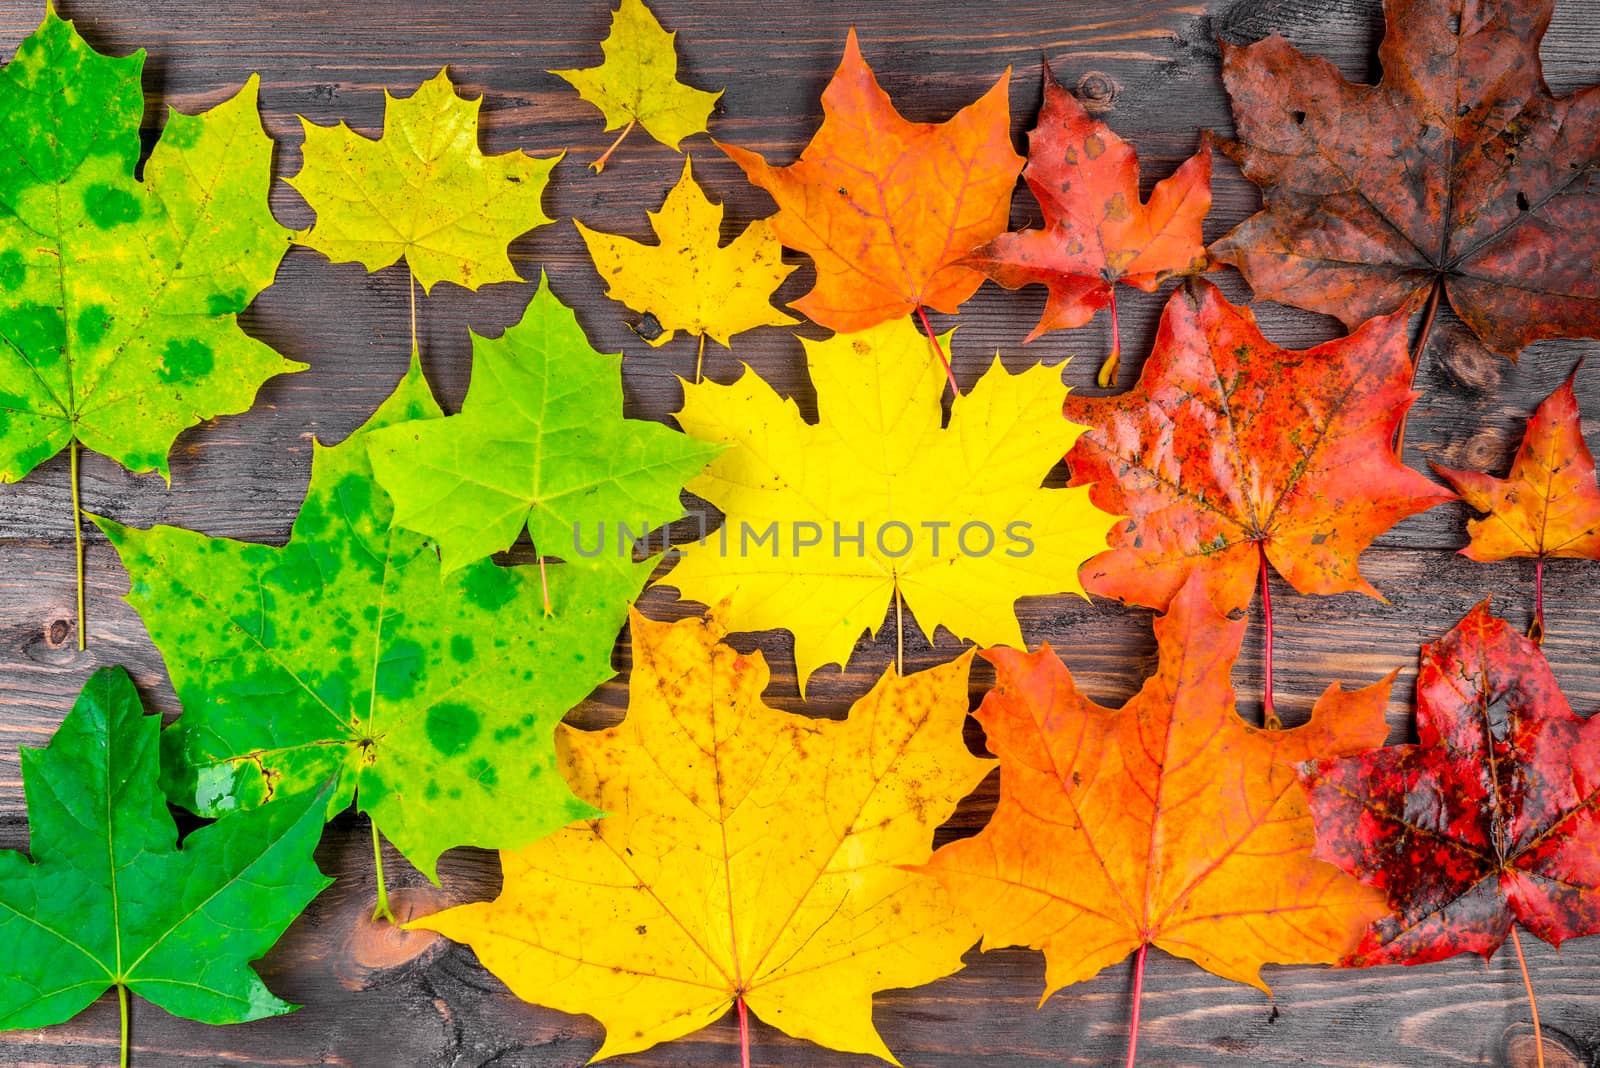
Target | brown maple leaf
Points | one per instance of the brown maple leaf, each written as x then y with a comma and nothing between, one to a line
1548,507
885,207
1458,174
1097,231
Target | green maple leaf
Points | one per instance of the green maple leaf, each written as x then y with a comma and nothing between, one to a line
118,297
431,699
540,442
110,900
638,82
423,191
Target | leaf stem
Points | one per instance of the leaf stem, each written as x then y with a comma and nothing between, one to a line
1536,631
1269,714
744,1033
1138,994
1533,1005
122,1012
899,635
1113,362
416,348
700,359
938,350
381,912
544,584
1429,312
77,539
600,164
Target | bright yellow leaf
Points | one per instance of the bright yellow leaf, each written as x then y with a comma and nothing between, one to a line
686,281
828,522
424,191
746,852
638,82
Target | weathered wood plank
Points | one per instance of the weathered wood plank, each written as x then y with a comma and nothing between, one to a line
377,997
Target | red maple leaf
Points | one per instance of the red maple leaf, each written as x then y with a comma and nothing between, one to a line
1457,175
1097,232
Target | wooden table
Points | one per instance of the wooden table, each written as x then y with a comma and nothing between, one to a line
377,997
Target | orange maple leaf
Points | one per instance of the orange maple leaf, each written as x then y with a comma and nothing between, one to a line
1097,232
1170,823
1232,452
886,207
1548,507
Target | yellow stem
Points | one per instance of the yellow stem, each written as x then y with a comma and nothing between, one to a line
382,911
600,164
700,358
416,349
77,538
899,635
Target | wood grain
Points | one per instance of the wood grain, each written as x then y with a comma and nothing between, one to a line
377,997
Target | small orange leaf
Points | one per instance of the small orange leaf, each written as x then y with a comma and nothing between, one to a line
884,206
1550,505
1170,823
1097,232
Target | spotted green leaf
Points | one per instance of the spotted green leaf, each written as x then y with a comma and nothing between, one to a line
431,699
119,297
109,899
540,443
423,191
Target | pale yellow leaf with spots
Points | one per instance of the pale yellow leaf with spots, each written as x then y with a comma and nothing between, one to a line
687,282
745,853
423,191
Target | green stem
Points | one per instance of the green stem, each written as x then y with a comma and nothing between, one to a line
122,1008
382,911
416,349
77,538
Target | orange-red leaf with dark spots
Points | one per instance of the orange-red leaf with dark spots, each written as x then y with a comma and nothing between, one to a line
1228,441
1097,232
884,207
1492,817
1170,822
1550,505
1458,169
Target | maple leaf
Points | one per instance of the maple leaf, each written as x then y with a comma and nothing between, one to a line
423,191
687,282
1488,821
1170,823
119,326
1458,174
1548,507
1231,451
1097,231
953,520
346,653
638,83
884,207
540,443
109,898
687,897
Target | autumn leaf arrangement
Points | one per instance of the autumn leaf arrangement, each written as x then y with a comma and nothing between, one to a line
382,659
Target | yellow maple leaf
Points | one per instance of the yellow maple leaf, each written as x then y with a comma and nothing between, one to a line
747,855
423,191
687,282
638,82
827,522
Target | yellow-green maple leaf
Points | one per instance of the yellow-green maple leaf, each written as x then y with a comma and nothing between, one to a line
638,82
747,856
877,463
423,191
687,282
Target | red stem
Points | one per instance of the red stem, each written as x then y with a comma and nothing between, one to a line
938,351
1428,313
1269,715
744,1034
1533,1005
1108,370
1138,993
1536,632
